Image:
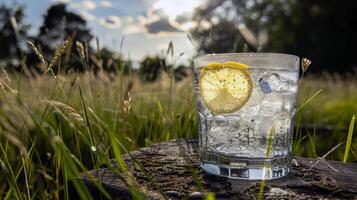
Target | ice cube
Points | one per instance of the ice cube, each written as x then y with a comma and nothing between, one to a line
289,103
217,134
251,108
270,82
248,112
271,104
289,86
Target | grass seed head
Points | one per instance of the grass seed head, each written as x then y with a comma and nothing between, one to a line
80,49
305,64
127,103
71,112
59,51
37,52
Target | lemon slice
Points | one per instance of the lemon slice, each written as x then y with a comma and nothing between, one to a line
225,87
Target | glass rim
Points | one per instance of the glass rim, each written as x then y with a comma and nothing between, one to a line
234,56
246,54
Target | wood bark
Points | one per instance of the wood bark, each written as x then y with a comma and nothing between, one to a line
171,170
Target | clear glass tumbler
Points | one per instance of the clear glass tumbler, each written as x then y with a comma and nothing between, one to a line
246,103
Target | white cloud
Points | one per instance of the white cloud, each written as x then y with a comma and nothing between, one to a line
174,8
136,25
161,18
105,3
127,20
86,15
161,25
62,1
132,29
110,22
187,26
162,46
85,5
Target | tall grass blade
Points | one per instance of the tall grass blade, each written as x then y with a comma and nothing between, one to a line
210,196
12,178
26,178
86,116
349,139
308,100
269,149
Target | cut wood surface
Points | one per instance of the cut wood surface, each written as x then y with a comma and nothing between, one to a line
172,171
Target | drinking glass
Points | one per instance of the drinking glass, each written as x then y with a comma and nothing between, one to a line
246,104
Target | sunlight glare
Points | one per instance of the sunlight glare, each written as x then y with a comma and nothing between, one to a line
173,8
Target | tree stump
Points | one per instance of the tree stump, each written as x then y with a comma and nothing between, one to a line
172,171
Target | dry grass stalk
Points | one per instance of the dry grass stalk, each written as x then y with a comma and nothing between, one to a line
97,62
5,75
71,112
80,49
6,88
16,141
59,51
127,103
305,63
38,53
2,86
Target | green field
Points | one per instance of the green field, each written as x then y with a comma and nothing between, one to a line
54,127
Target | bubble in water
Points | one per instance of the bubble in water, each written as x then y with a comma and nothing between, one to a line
270,83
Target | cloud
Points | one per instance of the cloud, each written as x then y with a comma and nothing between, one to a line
126,20
86,15
184,21
162,46
105,3
132,29
171,16
85,5
155,21
164,17
188,25
174,8
183,18
110,22
62,1
161,25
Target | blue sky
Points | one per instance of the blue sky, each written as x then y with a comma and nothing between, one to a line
148,25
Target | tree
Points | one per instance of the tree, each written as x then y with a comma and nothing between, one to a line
323,30
113,62
13,34
152,67
60,24
222,27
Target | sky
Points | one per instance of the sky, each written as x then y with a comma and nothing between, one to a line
147,25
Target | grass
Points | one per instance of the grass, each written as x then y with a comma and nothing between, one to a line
326,118
52,128
349,139
68,124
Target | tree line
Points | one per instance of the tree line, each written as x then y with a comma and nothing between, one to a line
19,49
322,30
